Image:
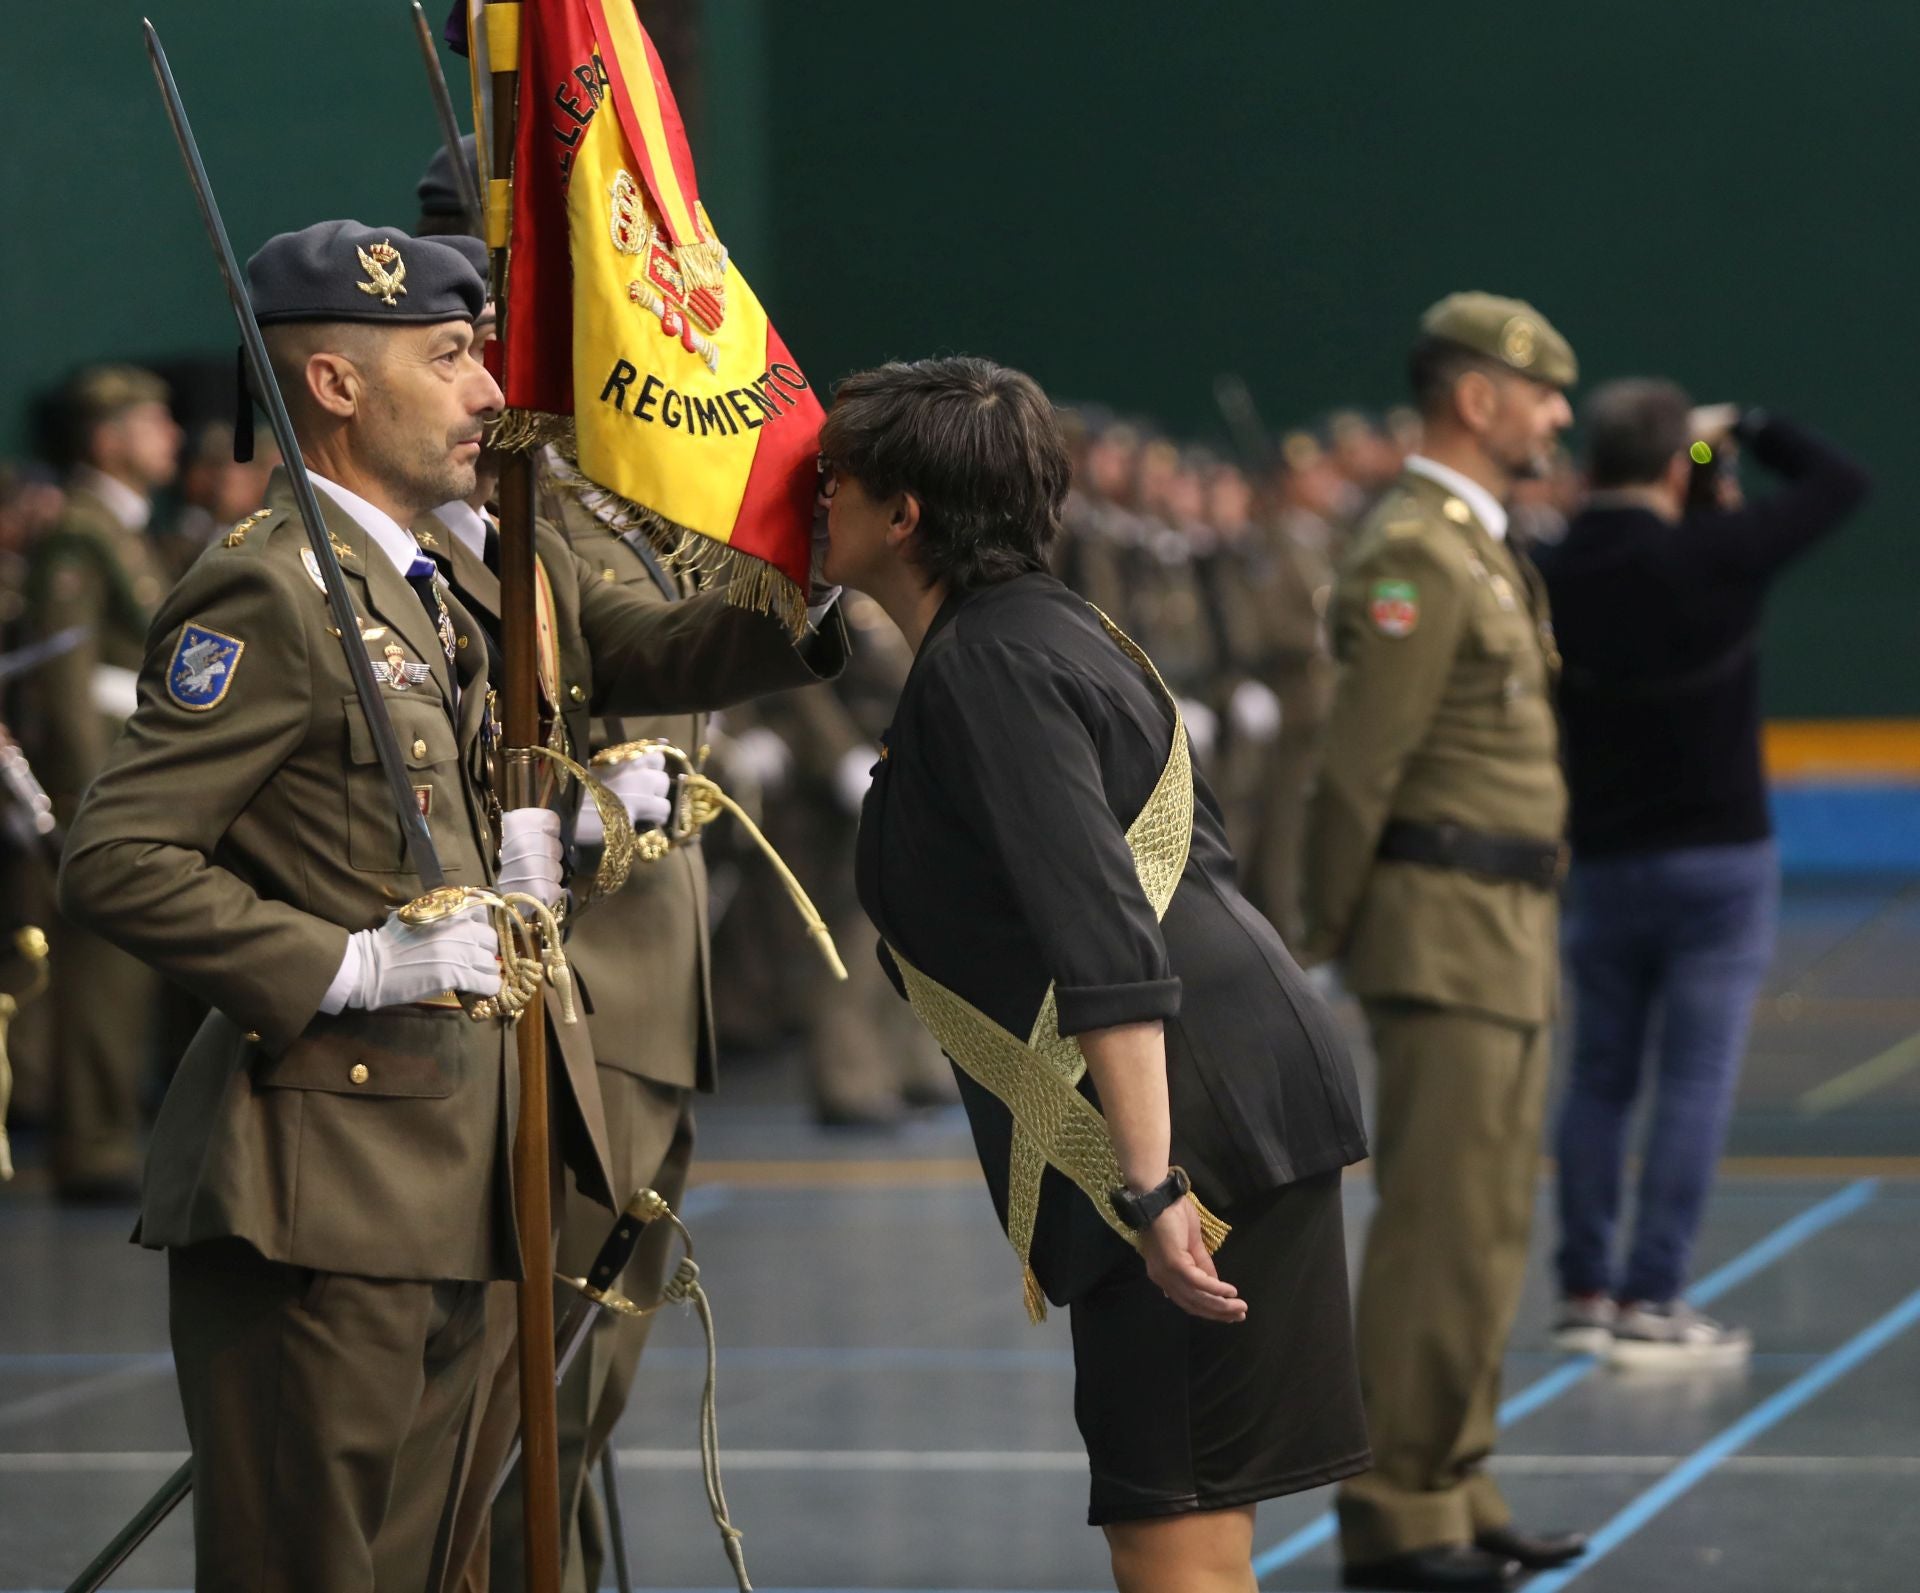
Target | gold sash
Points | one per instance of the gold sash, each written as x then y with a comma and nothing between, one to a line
1054,1125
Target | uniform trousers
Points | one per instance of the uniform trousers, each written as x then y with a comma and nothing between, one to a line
650,1135
331,1418
1456,1162
105,1005
1279,822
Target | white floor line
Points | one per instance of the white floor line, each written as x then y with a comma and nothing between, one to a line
1028,1460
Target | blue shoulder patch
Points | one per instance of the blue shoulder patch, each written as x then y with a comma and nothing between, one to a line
202,667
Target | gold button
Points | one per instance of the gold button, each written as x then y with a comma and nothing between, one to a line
359,1073
460,642
608,576
419,748
252,1036
577,692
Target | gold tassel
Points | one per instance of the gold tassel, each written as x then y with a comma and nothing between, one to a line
1036,1297
1213,1232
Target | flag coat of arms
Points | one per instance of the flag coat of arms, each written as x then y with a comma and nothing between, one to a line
632,340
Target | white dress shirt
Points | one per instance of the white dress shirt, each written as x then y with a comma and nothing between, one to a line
1487,509
127,506
467,523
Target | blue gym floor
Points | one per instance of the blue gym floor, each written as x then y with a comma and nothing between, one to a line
890,1421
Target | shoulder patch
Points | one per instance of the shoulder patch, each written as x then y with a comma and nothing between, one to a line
1394,608
203,666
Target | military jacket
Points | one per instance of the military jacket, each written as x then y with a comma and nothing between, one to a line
1443,713
240,830
641,955
88,571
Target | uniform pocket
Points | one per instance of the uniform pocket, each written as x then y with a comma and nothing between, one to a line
386,1054
432,755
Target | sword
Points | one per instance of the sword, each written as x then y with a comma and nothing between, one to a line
449,128
595,1289
413,823
24,660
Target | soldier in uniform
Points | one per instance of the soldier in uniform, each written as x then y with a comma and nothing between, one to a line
98,570
1434,854
640,956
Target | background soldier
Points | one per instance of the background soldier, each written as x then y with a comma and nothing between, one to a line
1432,863
97,569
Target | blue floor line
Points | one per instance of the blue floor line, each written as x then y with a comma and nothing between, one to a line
1788,1236
1769,1413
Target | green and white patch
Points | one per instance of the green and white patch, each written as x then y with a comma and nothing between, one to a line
1394,608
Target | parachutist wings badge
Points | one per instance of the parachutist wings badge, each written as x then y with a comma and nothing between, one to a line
386,271
397,670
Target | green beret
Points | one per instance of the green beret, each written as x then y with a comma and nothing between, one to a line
437,190
344,271
102,391
1510,331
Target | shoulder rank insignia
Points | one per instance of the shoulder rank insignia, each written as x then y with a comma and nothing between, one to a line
386,272
1456,510
203,665
239,533
398,671
1394,608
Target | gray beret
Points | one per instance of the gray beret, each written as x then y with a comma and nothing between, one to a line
472,250
344,271
438,192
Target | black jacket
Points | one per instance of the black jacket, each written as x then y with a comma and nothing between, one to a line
993,854
1659,627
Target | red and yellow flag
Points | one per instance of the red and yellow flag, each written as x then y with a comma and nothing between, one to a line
631,337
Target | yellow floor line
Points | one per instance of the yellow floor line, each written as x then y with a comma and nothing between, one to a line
1843,1089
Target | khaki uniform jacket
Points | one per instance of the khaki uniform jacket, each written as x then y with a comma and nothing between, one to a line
90,571
641,955
1443,713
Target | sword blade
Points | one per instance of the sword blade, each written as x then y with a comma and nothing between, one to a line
449,127
413,823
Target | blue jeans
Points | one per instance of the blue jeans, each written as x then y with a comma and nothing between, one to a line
1666,951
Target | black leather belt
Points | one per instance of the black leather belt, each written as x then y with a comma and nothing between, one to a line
1541,864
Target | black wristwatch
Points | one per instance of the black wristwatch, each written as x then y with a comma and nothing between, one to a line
1139,1212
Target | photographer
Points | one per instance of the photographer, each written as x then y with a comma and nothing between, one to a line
1657,592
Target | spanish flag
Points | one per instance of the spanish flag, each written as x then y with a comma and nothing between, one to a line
632,340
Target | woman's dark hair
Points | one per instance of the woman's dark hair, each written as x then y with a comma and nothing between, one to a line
979,447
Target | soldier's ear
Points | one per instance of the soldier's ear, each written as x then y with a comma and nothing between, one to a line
903,518
1475,399
334,384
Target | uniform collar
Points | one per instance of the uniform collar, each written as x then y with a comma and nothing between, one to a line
1487,509
381,528
121,501
466,523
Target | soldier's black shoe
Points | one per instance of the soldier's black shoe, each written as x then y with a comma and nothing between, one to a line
1449,1568
1536,1551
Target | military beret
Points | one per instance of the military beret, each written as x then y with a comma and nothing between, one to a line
102,391
473,250
344,271
438,190
1510,331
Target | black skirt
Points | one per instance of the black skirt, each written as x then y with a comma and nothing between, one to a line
1181,1415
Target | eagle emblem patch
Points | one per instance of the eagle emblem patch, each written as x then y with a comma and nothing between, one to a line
202,667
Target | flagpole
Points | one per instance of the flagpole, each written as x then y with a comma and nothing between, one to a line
520,698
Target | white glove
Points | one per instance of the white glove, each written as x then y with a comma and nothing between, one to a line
530,854
852,775
1203,727
642,787
398,963
1254,711
757,756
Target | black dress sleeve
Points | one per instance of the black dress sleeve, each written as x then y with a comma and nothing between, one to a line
1017,743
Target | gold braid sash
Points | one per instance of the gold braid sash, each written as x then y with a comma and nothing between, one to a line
1054,1125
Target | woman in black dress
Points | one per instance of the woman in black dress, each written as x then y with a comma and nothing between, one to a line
1054,893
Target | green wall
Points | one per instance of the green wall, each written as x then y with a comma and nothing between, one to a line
1125,199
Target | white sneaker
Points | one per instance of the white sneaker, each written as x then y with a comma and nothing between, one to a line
1585,1324
1648,1336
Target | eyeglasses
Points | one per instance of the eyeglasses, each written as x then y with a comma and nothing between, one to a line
829,482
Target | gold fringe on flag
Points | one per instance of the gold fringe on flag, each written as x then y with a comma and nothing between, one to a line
748,582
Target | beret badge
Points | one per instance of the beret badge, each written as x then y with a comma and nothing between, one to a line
386,272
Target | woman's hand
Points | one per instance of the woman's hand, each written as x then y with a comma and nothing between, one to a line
1177,1261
